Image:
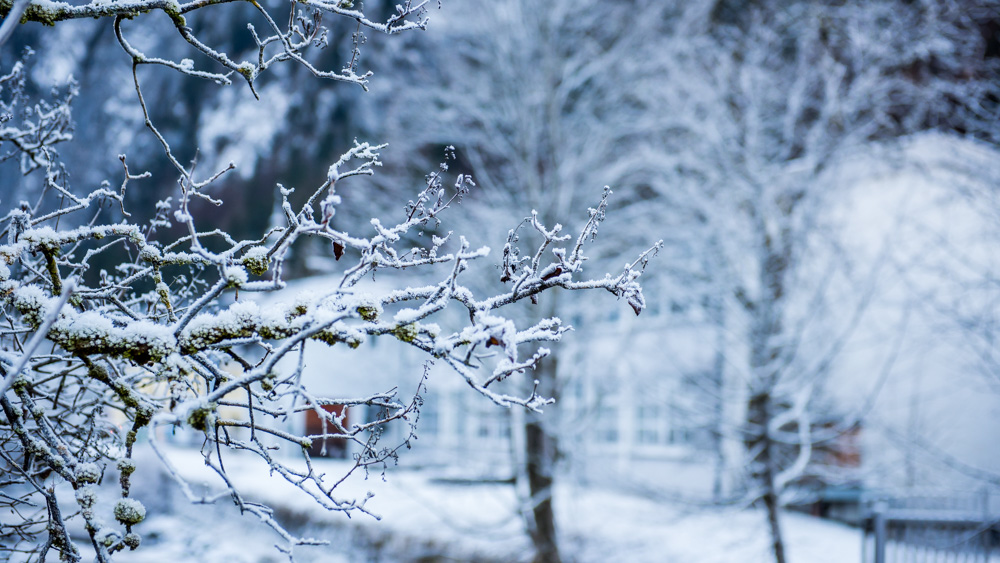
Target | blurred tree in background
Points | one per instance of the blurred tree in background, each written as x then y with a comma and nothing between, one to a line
723,128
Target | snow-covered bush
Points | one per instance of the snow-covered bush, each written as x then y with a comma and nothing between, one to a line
94,358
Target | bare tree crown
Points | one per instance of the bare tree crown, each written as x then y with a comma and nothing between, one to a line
168,336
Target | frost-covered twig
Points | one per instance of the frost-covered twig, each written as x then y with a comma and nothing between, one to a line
128,352
166,338
36,339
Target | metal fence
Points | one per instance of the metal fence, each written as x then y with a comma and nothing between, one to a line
932,528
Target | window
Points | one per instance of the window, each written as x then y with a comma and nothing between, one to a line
429,419
492,424
651,424
606,424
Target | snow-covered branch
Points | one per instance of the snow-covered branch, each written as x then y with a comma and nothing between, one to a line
170,335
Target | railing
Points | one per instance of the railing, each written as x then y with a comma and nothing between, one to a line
932,529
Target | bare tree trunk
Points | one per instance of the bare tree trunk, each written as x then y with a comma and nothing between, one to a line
540,458
541,451
765,352
771,503
760,416
718,379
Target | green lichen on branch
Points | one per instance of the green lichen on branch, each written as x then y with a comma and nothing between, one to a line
132,540
41,14
88,473
143,342
173,10
267,382
146,342
202,418
245,320
49,13
256,260
247,70
369,313
163,292
129,397
406,332
53,268
129,511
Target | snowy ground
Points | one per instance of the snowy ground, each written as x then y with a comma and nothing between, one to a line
424,519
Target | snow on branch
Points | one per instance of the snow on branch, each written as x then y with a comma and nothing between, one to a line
92,359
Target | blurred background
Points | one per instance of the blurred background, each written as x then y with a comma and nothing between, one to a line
820,327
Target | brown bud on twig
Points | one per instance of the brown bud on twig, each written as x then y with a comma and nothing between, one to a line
554,273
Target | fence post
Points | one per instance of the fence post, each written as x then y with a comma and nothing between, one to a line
986,536
881,535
